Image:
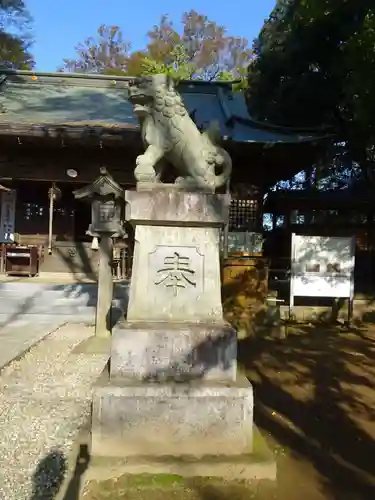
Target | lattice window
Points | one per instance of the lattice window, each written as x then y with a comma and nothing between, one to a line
244,215
63,211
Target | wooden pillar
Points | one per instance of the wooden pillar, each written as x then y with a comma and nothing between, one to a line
51,195
7,214
274,220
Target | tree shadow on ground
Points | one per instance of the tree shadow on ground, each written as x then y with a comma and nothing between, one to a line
49,476
315,395
51,472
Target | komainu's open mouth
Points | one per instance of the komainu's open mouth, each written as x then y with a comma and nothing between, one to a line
136,96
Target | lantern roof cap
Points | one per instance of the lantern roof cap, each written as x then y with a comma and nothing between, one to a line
104,185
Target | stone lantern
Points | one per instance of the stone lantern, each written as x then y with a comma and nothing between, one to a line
107,211
107,205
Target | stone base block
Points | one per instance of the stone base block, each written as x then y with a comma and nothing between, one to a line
172,419
258,467
170,351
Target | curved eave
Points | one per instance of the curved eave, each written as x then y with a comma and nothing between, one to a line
122,131
75,105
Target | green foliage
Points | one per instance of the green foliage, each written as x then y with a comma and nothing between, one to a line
358,89
14,52
300,60
178,66
15,46
203,50
315,67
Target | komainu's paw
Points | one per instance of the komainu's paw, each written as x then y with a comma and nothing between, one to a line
185,182
144,171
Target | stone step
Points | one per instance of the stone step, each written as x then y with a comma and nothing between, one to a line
55,311
53,308
76,277
255,474
60,261
35,285
42,291
73,302
52,298
48,300
43,318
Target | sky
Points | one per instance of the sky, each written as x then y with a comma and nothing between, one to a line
59,25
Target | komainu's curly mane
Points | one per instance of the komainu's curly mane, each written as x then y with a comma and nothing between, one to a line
168,102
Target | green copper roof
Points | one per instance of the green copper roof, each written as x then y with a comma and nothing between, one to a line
59,99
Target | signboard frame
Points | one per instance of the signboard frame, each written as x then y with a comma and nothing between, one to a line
324,268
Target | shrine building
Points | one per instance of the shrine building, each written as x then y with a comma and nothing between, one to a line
57,130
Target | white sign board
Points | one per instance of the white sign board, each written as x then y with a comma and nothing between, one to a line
322,267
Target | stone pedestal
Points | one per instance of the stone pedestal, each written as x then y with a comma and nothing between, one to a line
172,388
195,419
176,255
177,352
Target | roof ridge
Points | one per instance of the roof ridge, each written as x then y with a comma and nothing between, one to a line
98,76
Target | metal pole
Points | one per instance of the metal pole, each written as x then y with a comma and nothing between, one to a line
225,241
291,280
50,218
123,263
226,227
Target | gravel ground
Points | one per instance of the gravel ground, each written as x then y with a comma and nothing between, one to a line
44,401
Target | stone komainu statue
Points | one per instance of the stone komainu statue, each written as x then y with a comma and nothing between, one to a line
170,134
